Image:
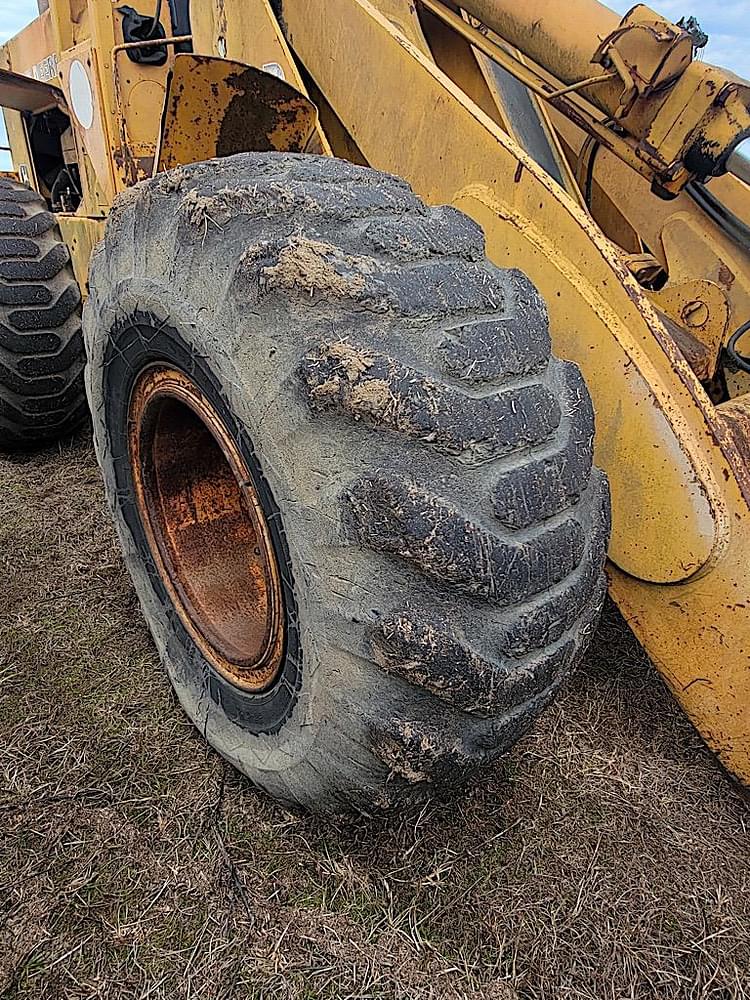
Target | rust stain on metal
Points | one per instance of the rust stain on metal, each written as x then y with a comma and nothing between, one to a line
725,276
732,428
262,109
700,358
218,107
695,314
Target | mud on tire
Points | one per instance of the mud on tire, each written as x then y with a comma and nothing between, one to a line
41,348
441,531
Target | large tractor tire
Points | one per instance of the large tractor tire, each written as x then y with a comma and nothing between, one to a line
353,489
42,395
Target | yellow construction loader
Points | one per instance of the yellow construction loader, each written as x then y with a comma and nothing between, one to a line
326,251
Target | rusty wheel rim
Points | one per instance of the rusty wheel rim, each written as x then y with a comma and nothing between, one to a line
206,528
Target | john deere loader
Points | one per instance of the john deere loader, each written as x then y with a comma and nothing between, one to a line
381,299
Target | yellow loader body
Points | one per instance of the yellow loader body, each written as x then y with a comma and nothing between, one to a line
644,287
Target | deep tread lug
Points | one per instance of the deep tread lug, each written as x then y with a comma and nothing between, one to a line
45,269
544,485
372,387
392,516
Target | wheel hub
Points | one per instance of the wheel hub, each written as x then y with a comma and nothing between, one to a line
206,528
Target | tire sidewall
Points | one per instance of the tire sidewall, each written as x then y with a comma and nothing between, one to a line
287,742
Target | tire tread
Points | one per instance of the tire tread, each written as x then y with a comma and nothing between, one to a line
42,395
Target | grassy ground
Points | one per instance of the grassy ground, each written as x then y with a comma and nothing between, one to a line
607,857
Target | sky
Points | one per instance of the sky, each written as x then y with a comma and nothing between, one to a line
727,23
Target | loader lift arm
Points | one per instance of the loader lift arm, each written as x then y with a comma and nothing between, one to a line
646,80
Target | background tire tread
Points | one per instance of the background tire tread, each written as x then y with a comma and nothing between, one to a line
42,395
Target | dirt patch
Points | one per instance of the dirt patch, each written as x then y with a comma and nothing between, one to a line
219,208
607,857
312,266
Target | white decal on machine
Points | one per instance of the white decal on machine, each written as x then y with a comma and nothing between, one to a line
44,70
81,95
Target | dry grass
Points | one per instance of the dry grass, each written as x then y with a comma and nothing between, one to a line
606,858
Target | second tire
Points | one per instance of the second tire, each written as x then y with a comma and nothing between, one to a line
41,348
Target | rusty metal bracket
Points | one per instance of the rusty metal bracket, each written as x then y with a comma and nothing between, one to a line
648,52
217,107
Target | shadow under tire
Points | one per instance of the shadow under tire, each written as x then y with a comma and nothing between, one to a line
420,465
42,395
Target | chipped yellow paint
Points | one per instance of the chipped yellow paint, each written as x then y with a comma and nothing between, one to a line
220,28
81,236
679,116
